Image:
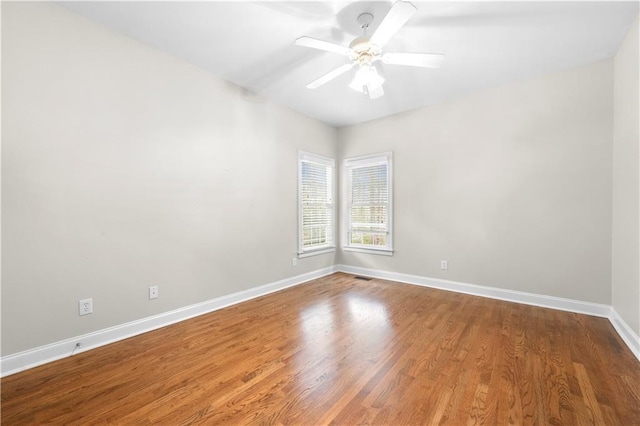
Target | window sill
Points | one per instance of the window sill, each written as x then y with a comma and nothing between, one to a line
380,252
316,252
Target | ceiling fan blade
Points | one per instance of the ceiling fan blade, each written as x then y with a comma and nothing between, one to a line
330,76
322,45
399,14
425,60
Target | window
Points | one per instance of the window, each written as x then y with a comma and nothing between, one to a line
316,213
368,204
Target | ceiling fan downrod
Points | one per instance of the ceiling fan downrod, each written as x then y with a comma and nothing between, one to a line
362,51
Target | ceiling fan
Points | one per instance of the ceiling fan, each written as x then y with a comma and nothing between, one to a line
366,50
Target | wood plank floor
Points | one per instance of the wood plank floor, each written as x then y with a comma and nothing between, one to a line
339,350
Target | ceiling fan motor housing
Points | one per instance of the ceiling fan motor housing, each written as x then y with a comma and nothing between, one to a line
363,52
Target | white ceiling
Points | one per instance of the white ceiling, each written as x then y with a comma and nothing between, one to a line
486,43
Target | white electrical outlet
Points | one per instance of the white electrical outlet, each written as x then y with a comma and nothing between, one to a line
153,292
85,306
444,265
294,261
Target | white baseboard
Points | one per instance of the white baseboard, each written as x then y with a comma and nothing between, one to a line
595,309
552,302
626,333
15,363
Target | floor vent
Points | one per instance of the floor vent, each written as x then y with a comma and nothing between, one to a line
357,277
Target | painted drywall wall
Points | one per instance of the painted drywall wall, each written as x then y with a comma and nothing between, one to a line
123,168
511,185
625,276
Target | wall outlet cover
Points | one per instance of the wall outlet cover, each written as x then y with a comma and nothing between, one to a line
85,306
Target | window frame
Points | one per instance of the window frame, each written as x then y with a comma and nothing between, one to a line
331,246
364,161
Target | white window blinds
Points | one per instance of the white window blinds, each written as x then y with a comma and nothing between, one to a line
368,206
316,206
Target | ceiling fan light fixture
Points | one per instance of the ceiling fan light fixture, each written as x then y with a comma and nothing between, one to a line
367,80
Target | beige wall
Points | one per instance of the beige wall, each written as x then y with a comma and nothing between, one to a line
511,185
124,168
626,184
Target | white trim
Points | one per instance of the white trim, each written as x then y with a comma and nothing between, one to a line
553,302
304,156
570,305
357,162
369,159
382,252
15,363
316,158
626,333
317,251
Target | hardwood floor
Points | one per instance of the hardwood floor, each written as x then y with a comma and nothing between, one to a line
339,350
